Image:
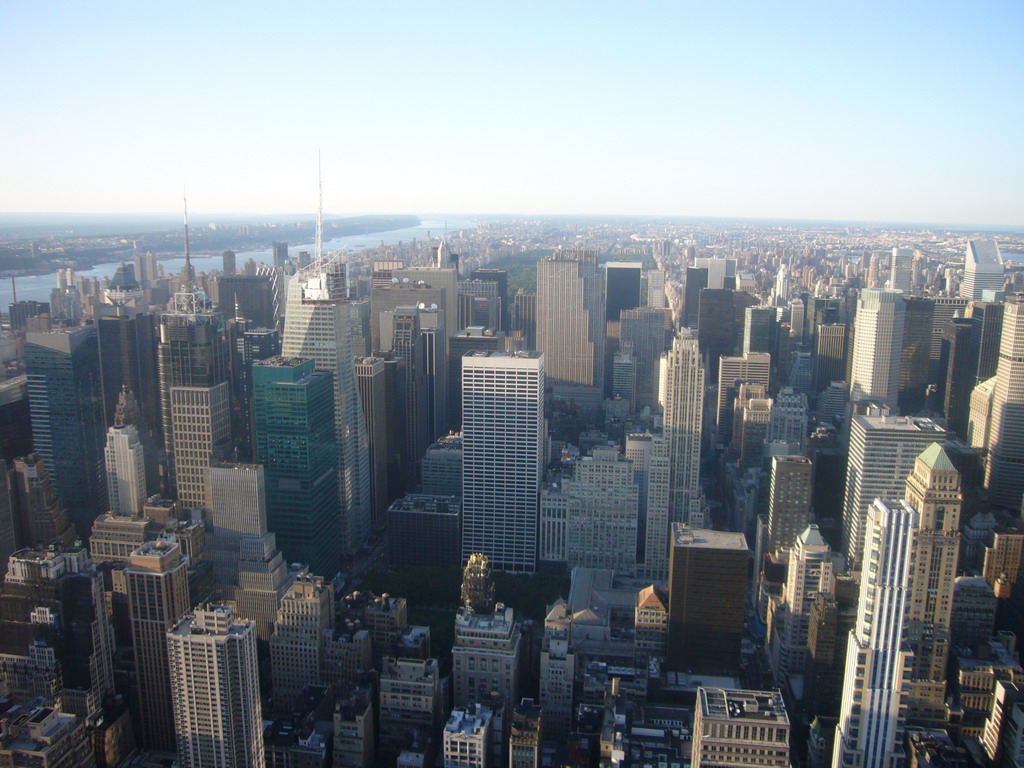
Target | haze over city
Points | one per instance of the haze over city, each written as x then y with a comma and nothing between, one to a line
802,110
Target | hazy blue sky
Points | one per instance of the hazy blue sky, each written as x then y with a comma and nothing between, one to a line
910,111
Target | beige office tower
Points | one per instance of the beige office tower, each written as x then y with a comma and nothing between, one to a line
877,346
810,571
740,728
789,500
245,555
651,468
1005,476
682,399
933,489
201,419
126,470
754,367
156,580
216,690
571,325
317,326
306,612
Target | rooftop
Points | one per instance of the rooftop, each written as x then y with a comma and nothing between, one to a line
935,458
702,538
724,703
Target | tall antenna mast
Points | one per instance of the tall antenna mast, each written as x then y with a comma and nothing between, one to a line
319,211
189,281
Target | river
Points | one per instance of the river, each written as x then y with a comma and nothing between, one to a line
38,287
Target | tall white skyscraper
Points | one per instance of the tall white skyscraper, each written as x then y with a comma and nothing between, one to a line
883,450
682,398
126,470
503,441
215,690
1005,473
317,326
899,271
877,344
870,729
983,269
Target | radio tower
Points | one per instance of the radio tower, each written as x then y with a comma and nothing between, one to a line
319,211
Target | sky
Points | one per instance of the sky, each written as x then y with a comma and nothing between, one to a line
905,111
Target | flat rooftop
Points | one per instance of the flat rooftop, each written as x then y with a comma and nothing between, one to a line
731,704
702,538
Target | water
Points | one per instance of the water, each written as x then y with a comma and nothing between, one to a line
38,287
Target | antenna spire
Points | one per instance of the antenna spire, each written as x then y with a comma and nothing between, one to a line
319,210
188,281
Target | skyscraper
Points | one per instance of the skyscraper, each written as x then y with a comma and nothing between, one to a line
706,588
503,455
899,273
1004,476
919,314
126,470
759,330
280,255
215,690
810,571
871,723
295,442
622,287
58,642
830,356
732,371
683,401
66,400
571,325
305,613
192,352
986,330
201,419
156,580
127,342
317,326
933,490
789,505
643,331
877,345
983,269
883,449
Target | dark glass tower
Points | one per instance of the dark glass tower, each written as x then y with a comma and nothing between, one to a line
66,401
192,352
622,287
295,442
